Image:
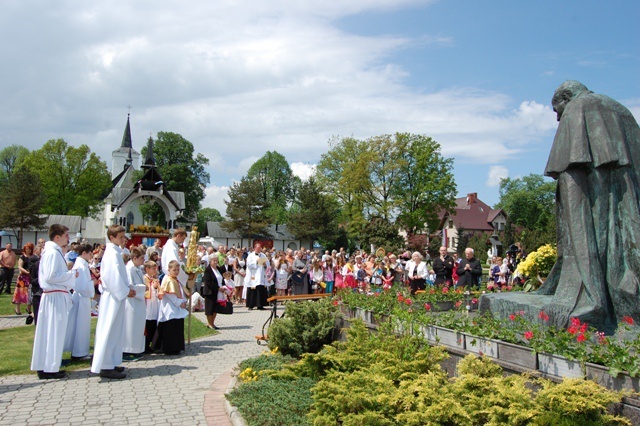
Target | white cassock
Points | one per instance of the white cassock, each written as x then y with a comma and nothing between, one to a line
256,272
169,253
79,324
107,352
56,280
135,312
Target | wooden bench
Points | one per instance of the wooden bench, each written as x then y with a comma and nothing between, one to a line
273,300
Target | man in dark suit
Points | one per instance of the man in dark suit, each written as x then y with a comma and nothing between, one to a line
469,270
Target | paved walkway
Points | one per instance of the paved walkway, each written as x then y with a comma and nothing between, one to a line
159,389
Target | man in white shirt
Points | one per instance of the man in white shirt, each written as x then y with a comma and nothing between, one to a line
56,280
170,252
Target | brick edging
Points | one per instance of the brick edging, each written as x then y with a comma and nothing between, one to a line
217,410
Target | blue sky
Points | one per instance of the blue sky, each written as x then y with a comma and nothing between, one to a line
240,78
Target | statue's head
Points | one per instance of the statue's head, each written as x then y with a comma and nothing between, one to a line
564,93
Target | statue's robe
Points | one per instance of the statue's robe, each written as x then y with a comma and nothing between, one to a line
596,160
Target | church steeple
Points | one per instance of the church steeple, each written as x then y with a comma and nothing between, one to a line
150,160
126,137
125,156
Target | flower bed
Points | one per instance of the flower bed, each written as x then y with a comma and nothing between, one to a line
518,338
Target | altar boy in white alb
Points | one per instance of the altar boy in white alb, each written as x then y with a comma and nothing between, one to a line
56,280
107,352
135,309
79,323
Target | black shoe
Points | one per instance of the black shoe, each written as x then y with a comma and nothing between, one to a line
57,375
112,374
119,369
82,358
261,308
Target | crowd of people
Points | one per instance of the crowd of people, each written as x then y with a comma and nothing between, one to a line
141,294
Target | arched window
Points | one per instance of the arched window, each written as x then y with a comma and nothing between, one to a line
129,220
292,246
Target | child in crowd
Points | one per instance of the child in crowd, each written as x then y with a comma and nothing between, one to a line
329,274
225,290
377,275
135,308
317,275
152,285
387,279
173,304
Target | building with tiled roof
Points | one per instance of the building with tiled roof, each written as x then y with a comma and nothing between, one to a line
471,215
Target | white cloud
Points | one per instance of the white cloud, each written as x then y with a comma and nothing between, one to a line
215,197
303,170
496,173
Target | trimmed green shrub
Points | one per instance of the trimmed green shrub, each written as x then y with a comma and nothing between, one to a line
269,402
305,328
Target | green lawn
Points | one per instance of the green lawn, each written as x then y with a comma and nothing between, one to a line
17,346
6,307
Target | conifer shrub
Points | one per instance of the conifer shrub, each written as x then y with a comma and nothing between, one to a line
305,328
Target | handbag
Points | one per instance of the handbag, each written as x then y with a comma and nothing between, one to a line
29,320
224,309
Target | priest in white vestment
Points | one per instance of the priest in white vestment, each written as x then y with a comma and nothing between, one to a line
56,280
256,279
135,309
79,323
107,352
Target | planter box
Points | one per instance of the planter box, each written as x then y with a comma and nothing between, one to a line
450,338
556,365
380,318
600,375
517,355
346,311
481,346
365,316
429,333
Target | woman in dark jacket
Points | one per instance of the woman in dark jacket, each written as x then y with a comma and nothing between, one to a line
211,282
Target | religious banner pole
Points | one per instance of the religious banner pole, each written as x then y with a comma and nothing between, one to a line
193,268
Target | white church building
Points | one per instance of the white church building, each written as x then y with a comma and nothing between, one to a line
122,205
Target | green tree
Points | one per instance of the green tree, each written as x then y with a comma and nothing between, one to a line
314,215
530,206
75,181
276,180
22,199
10,158
425,184
208,214
246,211
380,232
180,171
343,171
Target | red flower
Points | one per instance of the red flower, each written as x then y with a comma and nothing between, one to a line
627,319
575,322
474,300
583,327
400,298
512,317
581,338
543,316
528,335
445,290
335,303
427,306
408,301
573,329
432,291
602,339
458,303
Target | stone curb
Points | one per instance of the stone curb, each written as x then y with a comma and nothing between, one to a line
232,411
